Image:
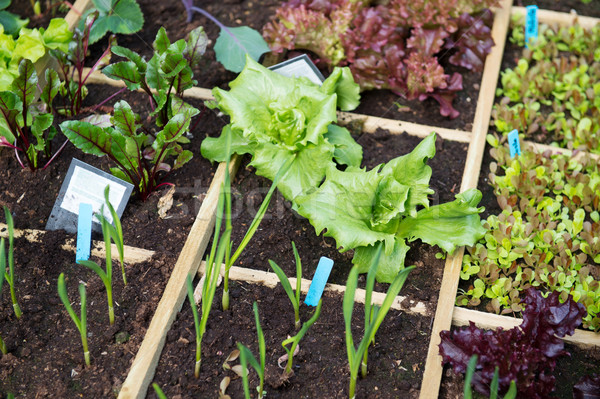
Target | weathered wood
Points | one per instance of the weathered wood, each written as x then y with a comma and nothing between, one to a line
271,280
144,364
462,316
132,255
559,18
432,375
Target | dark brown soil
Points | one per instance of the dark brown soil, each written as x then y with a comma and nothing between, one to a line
395,362
281,225
45,358
143,228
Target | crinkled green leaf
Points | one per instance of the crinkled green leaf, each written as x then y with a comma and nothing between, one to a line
343,206
306,172
29,45
447,225
390,200
232,51
347,151
215,149
57,36
389,264
341,83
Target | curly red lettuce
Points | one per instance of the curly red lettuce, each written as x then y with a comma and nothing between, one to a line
526,354
395,46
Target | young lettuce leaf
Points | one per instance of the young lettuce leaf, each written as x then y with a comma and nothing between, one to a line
274,118
360,208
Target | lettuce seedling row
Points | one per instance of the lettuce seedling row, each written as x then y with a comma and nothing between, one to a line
189,260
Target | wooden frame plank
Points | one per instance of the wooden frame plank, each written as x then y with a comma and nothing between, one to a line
132,255
559,18
462,316
271,280
143,366
432,375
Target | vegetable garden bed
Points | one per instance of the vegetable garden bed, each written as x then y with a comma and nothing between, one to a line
393,372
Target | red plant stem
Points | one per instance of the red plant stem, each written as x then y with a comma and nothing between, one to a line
55,154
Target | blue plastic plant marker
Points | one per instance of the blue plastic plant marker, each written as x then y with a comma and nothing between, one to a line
514,143
318,282
531,25
84,232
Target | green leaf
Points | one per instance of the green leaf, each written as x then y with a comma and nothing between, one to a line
29,45
347,151
51,88
231,51
11,22
24,86
447,225
4,4
184,157
10,107
195,46
126,17
343,205
57,36
87,137
131,56
125,71
124,119
389,264
103,6
215,150
172,64
41,123
341,83
161,42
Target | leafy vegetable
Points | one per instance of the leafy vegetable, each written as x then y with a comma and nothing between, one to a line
393,45
116,16
275,118
31,44
140,156
9,21
233,44
526,354
360,208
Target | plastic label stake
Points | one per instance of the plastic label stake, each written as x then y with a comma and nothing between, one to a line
318,282
531,25
84,232
514,144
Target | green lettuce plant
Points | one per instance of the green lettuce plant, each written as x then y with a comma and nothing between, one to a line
30,44
140,155
9,275
275,118
105,276
11,22
115,16
246,357
80,321
374,315
360,208
544,237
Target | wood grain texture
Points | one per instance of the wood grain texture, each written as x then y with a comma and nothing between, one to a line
432,375
144,365
559,18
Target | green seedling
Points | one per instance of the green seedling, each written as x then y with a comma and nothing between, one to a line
512,391
374,315
158,391
246,357
80,322
2,267
105,276
295,340
115,231
9,275
285,283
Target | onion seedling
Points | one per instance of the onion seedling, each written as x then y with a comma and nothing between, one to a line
116,231
105,276
247,357
512,391
295,340
285,283
2,267
80,322
159,392
10,274
374,315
